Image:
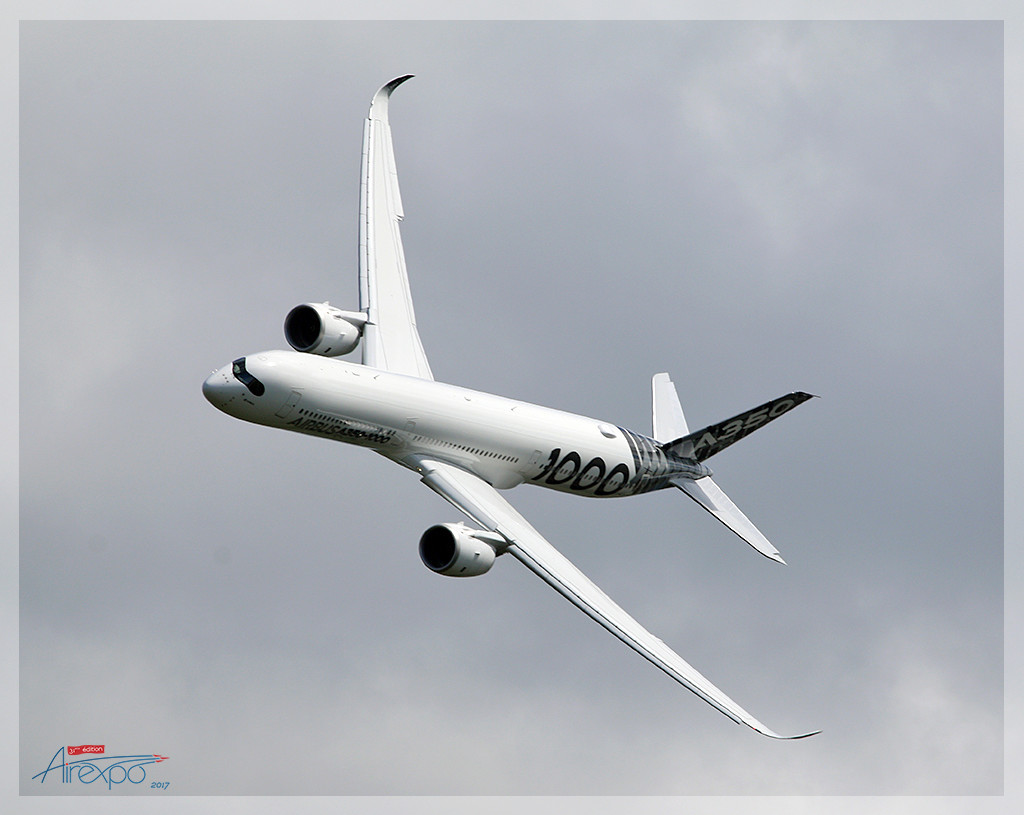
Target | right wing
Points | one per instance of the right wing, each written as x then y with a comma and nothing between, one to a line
390,339
484,505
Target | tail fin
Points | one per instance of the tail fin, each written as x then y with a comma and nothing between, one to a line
715,438
710,496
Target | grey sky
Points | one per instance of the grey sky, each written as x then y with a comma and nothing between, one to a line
753,207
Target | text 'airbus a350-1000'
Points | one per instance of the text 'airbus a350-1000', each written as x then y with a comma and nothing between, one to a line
466,445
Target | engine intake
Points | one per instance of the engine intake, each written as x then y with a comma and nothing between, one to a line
320,328
455,550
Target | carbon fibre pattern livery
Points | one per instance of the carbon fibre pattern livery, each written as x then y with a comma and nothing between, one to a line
655,467
713,439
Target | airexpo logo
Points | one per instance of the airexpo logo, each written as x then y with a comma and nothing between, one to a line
109,771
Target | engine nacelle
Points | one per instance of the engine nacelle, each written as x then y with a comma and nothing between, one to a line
320,328
456,550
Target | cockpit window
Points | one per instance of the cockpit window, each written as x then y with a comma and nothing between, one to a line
255,387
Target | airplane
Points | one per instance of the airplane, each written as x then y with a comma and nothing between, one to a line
469,446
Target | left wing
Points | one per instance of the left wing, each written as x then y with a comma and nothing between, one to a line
484,505
390,339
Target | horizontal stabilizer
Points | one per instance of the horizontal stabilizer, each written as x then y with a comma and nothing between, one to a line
668,419
714,439
710,496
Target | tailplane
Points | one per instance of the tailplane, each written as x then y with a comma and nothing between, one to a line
669,423
668,419
710,496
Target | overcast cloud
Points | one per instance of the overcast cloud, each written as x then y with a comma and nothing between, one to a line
753,207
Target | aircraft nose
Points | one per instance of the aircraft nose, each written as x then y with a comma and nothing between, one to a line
218,388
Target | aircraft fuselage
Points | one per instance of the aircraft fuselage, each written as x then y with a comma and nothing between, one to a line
503,441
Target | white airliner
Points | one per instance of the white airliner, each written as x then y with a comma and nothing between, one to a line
466,445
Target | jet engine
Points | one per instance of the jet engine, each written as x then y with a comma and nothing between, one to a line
320,328
455,550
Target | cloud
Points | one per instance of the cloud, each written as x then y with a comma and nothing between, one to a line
771,206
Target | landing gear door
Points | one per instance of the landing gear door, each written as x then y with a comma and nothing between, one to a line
288,406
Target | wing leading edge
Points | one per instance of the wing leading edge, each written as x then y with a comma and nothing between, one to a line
485,506
390,338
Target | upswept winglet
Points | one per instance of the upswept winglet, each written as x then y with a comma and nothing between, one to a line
483,504
390,338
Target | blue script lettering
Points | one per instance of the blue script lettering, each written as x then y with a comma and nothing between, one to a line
110,769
